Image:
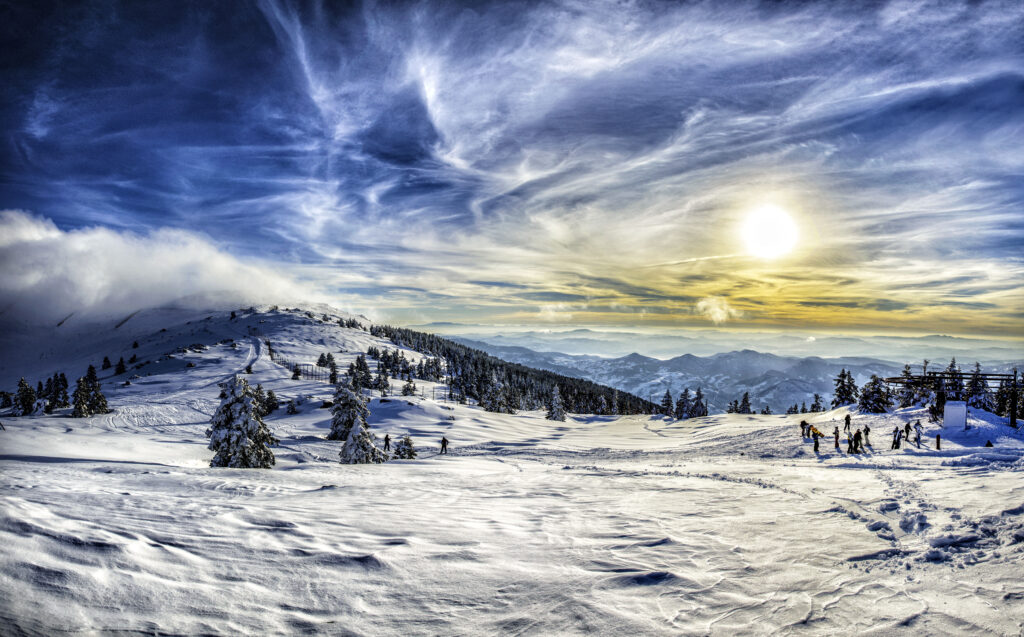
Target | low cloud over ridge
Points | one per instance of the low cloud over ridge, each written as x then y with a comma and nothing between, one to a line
47,273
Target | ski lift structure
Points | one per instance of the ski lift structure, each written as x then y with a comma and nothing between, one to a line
943,383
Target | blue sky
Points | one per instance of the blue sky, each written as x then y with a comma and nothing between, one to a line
551,163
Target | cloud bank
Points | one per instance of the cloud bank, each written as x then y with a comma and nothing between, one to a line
47,273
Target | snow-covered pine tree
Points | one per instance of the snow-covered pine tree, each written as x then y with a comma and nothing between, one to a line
602,406
556,411
683,405
382,383
271,403
81,400
699,406
978,395
1002,401
744,407
97,401
846,389
615,402
667,403
908,390
296,372
816,406
333,377
260,398
955,384
404,449
120,369
349,409
322,361
409,388
238,436
24,399
874,397
360,446
329,358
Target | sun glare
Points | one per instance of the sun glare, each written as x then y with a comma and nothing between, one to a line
769,232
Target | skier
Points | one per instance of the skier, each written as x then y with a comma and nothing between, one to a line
846,427
938,442
444,445
849,443
917,434
387,442
867,430
816,435
803,428
906,432
895,434
836,434
857,446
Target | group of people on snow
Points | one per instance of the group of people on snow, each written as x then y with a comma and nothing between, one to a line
858,439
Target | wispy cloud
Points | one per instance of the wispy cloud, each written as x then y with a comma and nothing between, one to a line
497,161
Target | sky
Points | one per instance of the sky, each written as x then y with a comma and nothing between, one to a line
529,163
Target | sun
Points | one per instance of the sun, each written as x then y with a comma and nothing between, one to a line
769,232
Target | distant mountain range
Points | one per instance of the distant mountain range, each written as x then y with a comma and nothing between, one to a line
772,380
665,344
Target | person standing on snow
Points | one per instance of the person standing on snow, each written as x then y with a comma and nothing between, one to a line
444,445
387,442
846,427
938,442
803,428
836,434
816,435
906,432
857,446
867,430
917,434
849,443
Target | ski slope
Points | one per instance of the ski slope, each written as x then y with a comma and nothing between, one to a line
726,525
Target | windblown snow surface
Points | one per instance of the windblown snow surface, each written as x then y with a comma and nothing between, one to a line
608,525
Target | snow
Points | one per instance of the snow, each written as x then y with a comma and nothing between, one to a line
728,524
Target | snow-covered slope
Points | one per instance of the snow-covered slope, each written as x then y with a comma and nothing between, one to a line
721,525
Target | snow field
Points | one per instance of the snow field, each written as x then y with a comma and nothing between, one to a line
724,525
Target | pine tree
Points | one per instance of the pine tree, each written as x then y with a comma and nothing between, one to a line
97,401
667,403
271,403
744,406
1002,402
816,406
683,405
404,449
360,447
794,409
329,359
260,398
955,384
874,397
699,406
978,395
322,361
106,363
803,407
409,388
556,411
846,389
120,369
237,433
81,398
135,345
349,409
908,392
767,411
24,399
296,372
